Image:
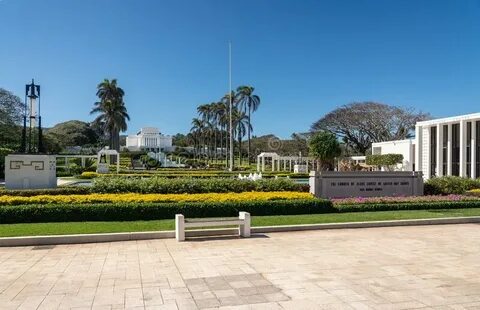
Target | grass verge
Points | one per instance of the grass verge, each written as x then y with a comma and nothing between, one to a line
11,230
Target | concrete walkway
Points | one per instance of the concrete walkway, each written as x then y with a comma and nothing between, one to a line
436,267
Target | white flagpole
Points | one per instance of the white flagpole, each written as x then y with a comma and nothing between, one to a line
231,105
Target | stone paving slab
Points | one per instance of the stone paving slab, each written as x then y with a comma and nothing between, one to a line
424,267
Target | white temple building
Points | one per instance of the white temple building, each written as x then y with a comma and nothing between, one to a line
442,147
149,139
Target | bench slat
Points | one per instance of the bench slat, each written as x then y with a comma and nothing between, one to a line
211,219
213,223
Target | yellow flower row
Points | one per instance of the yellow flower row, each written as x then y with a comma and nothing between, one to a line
136,197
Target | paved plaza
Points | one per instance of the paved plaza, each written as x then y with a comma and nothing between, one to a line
431,267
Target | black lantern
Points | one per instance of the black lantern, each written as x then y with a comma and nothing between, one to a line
32,139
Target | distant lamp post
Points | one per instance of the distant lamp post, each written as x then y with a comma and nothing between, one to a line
32,140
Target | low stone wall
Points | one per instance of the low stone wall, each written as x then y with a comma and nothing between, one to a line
334,184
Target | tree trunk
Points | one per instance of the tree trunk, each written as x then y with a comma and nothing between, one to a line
240,149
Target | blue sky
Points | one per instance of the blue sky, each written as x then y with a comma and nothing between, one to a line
303,57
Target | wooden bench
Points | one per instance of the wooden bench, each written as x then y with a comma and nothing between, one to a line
243,222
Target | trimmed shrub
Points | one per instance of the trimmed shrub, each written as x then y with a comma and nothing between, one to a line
88,175
408,206
156,185
385,160
156,211
449,185
53,191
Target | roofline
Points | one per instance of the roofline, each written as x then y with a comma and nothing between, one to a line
450,119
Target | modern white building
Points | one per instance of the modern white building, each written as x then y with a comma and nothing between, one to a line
404,147
149,139
442,147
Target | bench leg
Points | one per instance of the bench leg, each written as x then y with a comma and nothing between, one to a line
244,229
179,227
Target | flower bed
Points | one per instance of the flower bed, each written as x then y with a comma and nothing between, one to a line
152,198
392,200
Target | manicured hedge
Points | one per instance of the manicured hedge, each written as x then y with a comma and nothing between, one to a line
156,211
158,185
408,206
53,191
450,185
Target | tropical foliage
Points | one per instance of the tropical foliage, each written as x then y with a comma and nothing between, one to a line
112,112
210,132
324,147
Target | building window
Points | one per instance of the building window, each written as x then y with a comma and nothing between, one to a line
469,149
433,151
445,150
456,149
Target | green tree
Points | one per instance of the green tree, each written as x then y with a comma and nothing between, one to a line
113,113
73,133
324,146
11,111
240,125
359,124
248,102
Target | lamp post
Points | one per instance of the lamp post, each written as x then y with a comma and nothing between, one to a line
32,142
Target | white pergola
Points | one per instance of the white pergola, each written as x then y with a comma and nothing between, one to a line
283,163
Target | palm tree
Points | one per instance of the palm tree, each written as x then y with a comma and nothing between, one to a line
197,130
113,113
226,100
241,126
249,103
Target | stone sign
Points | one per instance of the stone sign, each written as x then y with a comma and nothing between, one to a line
24,171
334,184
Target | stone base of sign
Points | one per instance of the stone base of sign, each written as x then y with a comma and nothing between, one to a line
334,184
28,171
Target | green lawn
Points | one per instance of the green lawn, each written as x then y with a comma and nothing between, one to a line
9,230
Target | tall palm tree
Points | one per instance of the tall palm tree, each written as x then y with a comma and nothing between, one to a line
241,126
249,103
197,130
226,100
113,113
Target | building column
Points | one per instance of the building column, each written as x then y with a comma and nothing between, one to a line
284,165
258,164
463,149
290,165
273,164
263,164
439,150
473,148
418,148
449,150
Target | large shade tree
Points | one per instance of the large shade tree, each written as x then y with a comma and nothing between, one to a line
11,111
112,112
359,124
248,102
